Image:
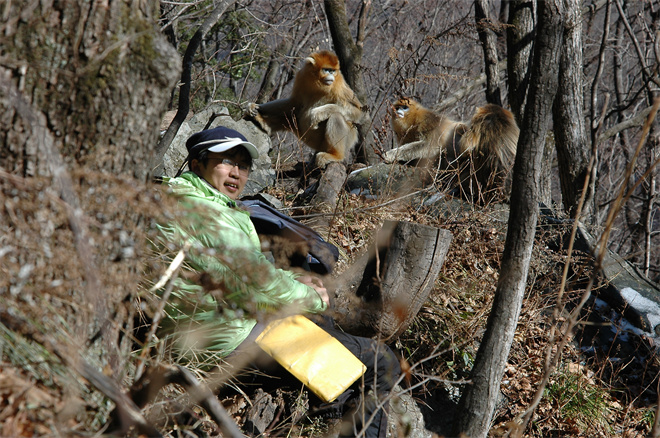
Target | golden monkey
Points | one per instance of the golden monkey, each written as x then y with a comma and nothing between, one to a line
483,152
322,110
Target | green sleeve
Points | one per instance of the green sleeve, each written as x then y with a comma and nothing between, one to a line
226,252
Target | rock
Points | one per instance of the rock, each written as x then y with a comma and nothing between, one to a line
406,419
261,414
386,179
628,291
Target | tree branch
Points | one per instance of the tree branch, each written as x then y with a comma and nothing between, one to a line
186,79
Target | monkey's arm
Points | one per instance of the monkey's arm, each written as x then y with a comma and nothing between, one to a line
276,115
412,151
351,113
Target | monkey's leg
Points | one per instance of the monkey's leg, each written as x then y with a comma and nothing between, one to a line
339,138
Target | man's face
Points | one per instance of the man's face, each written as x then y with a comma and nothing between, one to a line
230,176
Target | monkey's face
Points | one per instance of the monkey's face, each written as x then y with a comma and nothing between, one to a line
400,108
327,76
323,69
401,111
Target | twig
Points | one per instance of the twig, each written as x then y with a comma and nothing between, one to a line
94,293
128,413
174,266
155,321
599,253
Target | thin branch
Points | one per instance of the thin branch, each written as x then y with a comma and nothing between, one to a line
637,120
186,79
647,77
595,123
93,289
599,253
461,93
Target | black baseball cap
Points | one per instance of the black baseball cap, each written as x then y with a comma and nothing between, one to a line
218,139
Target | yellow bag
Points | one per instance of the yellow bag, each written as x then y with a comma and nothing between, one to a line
314,357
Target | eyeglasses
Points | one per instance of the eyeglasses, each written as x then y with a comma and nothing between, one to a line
242,167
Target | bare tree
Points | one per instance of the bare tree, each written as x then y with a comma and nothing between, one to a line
349,53
486,31
478,400
269,82
186,79
519,38
570,132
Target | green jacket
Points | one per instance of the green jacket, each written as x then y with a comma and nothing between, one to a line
239,283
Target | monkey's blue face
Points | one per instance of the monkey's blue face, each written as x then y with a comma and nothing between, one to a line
401,110
328,75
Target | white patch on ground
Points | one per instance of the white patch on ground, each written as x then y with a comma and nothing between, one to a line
620,327
643,305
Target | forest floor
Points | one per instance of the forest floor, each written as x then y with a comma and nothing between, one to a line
604,385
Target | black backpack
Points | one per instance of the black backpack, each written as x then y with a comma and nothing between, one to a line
316,256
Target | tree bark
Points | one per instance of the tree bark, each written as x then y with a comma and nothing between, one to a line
156,161
479,399
520,39
489,45
349,53
102,57
570,132
385,288
75,99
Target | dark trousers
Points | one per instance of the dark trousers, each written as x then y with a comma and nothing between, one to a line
368,393
362,399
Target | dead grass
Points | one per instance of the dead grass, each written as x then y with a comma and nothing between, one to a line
55,289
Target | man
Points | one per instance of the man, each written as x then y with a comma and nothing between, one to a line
214,309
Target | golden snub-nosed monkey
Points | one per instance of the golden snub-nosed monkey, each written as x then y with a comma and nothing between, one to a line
482,152
322,110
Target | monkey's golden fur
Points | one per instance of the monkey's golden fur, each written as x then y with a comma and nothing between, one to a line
481,152
322,110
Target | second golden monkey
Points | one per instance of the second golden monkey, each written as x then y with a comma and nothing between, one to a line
322,110
483,151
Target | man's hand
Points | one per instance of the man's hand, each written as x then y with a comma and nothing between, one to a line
316,284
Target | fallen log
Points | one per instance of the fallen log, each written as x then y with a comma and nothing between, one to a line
380,294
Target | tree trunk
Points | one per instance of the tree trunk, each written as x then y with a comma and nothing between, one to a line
489,45
383,291
156,162
569,129
350,57
520,38
102,81
479,399
273,71
325,201
83,87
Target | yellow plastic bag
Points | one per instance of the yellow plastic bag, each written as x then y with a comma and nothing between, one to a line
314,357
